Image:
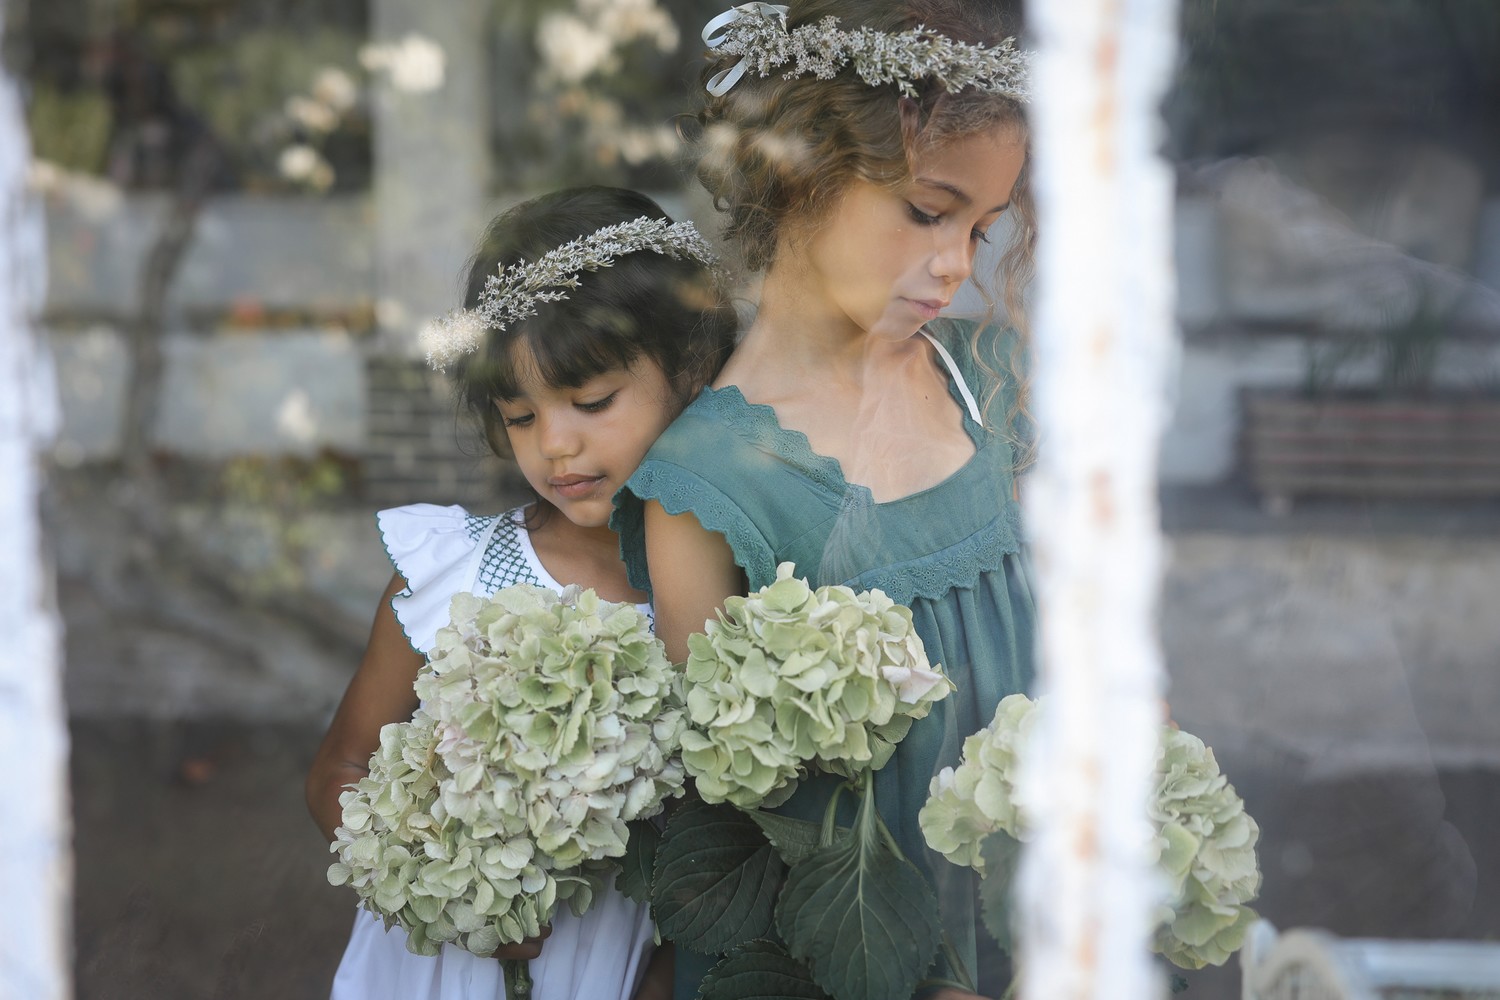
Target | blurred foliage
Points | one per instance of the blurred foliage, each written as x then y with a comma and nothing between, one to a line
274,501
1253,73
130,90
589,91
582,91
248,86
69,127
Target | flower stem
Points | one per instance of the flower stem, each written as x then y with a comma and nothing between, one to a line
517,972
956,965
830,817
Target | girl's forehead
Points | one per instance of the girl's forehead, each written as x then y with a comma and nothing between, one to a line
526,370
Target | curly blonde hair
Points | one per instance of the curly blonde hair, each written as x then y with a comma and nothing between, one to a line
776,153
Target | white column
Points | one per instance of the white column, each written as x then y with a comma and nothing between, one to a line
1103,348
35,854
432,160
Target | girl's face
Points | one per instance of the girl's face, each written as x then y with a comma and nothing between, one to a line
577,446
890,260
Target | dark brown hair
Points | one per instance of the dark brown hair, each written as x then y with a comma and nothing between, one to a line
674,312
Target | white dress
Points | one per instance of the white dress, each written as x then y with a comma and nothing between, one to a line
601,955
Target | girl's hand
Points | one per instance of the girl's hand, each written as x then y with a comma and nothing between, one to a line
528,949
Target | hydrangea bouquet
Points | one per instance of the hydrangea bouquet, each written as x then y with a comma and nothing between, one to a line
789,682
1205,841
548,722
793,678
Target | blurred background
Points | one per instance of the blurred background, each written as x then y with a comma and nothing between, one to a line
252,205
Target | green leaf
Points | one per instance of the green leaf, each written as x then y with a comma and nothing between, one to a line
794,839
863,919
1001,853
636,867
760,970
716,879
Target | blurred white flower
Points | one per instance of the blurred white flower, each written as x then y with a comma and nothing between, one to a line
311,113
45,176
639,145
335,88
95,198
302,164
295,419
627,20
570,49
416,64
297,162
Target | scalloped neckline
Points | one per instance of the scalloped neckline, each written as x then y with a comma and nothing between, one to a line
799,447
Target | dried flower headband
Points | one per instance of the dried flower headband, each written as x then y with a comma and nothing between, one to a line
757,33
512,294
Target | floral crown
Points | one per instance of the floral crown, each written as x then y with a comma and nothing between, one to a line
511,294
757,33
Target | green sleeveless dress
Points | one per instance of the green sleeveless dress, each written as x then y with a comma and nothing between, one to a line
952,553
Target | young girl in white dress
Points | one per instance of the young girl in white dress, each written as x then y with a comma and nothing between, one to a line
574,391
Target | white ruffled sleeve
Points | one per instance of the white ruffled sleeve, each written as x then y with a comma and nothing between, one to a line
435,550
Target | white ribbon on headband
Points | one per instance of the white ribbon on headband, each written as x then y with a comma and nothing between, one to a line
716,33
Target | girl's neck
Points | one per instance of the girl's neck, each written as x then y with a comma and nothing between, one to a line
800,337
587,556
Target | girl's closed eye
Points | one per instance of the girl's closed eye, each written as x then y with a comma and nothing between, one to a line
920,217
598,405
509,420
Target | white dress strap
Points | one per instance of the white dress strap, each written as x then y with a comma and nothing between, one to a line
958,377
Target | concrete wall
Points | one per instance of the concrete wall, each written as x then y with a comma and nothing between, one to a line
1348,650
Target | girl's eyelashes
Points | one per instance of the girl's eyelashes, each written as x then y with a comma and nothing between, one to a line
920,217
525,419
598,405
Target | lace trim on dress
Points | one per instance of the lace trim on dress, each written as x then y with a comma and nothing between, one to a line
957,567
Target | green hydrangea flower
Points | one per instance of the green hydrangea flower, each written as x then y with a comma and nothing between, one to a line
547,723
793,677
1205,841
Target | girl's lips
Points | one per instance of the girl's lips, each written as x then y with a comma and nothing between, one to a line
928,308
574,487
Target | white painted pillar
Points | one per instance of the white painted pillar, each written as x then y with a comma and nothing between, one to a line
432,163
1103,347
35,853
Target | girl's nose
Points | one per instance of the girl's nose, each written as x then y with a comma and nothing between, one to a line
559,437
952,259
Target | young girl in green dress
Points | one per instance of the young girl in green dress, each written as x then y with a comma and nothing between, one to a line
855,431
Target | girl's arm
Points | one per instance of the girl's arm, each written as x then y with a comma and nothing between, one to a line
692,573
380,692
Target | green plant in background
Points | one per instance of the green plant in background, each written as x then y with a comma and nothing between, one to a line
69,127
1404,350
277,90
598,85
269,512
